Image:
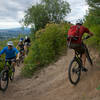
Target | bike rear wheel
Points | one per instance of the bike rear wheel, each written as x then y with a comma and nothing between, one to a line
74,72
4,80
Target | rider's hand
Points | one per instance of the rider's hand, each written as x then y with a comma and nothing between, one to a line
91,34
17,58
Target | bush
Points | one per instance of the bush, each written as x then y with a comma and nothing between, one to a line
48,45
95,40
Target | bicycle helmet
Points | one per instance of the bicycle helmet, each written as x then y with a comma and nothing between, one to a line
21,39
10,43
79,21
26,37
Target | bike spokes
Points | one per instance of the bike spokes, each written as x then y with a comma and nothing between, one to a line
74,72
4,80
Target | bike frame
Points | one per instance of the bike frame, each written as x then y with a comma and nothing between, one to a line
78,57
8,67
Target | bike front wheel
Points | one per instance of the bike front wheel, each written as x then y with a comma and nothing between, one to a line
74,72
4,80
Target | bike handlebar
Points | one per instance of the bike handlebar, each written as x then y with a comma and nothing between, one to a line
85,38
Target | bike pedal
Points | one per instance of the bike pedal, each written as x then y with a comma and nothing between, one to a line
84,69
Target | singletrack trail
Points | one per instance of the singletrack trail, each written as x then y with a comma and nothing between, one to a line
51,83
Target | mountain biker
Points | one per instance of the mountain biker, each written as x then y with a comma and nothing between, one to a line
74,40
27,40
21,46
21,39
11,53
27,43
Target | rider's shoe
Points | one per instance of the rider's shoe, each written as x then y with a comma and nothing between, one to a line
13,69
84,69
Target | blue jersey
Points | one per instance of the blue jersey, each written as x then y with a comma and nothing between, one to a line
10,53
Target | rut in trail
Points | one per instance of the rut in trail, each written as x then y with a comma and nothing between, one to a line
52,83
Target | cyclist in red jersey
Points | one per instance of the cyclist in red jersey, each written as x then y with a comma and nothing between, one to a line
76,43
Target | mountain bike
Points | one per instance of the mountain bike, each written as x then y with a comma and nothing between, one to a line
21,58
6,74
75,66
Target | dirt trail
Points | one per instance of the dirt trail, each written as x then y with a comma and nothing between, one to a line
52,84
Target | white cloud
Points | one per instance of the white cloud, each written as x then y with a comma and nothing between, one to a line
79,9
9,24
12,11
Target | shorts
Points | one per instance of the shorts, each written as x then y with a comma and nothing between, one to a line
21,50
10,60
27,44
81,48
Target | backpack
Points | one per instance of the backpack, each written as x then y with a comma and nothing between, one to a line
73,33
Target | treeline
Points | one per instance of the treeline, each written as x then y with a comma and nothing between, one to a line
13,33
93,22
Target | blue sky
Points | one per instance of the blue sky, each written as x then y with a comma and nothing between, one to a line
12,11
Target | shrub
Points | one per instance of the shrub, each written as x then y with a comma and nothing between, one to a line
48,45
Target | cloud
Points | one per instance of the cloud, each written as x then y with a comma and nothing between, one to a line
12,11
79,9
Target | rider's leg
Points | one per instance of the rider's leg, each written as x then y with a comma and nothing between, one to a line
83,62
13,64
25,48
84,59
88,57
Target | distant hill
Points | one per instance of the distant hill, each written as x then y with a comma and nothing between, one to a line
13,32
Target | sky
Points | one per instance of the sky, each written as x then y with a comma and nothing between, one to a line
12,11
79,8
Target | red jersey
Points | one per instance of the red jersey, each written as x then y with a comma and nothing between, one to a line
82,30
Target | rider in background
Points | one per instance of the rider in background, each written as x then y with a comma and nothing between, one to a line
27,43
11,53
76,43
21,46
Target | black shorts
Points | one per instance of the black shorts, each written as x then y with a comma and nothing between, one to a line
21,50
81,48
27,44
10,60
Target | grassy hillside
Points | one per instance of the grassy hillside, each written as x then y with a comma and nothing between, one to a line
48,45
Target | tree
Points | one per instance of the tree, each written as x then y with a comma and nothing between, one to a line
56,9
93,18
36,16
93,22
47,11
